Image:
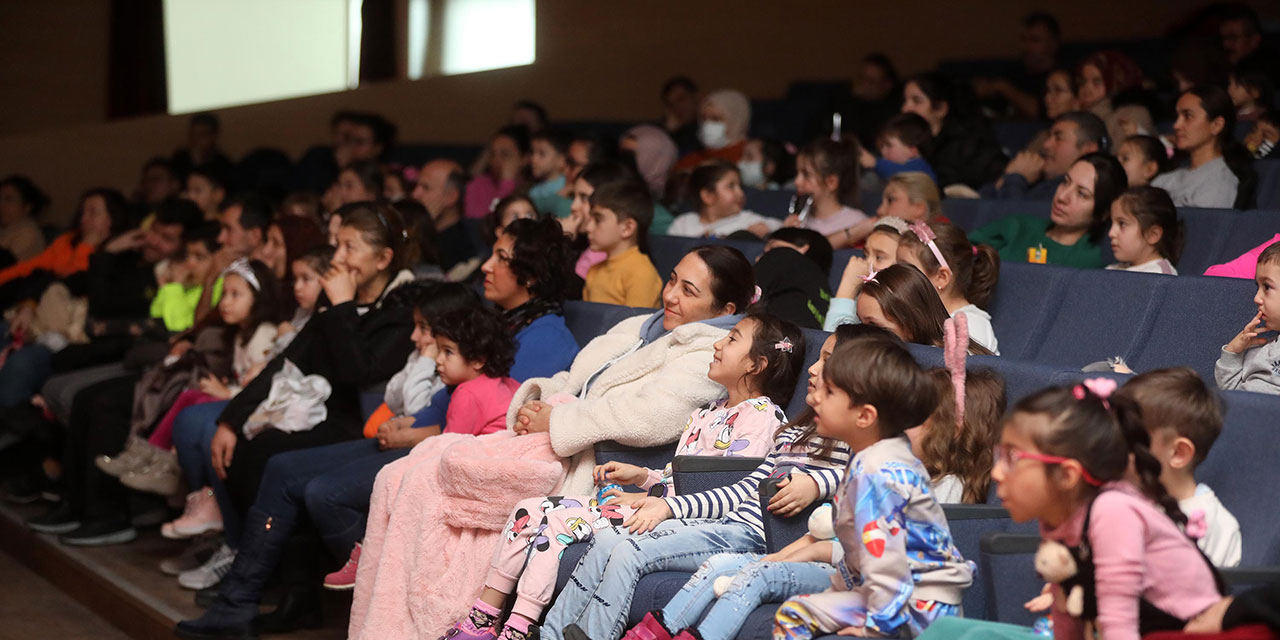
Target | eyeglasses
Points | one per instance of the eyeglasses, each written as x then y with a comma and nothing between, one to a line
1009,456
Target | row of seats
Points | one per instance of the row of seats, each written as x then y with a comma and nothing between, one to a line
1240,462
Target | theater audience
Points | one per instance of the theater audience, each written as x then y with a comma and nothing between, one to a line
654,154
964,149
507,157
1026,81
1035,175
680,100
21,202
440,187
1101,76
1202,134
723,119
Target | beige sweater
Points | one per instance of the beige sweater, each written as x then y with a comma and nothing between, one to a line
643,399
23,239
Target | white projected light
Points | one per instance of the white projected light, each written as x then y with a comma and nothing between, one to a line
233,52
487,34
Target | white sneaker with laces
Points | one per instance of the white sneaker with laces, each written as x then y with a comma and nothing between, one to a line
211,572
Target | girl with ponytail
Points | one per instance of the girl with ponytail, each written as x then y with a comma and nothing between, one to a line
1064,459
965,274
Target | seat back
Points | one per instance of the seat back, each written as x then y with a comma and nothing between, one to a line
1241,469
1268,183
1021,377
813,340
1205,233
586,320
1249,230
1195,317
768,202
1101,314
1008,560
666,251
1026,298
968,523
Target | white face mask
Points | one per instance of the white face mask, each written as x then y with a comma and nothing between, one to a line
752,173
714,135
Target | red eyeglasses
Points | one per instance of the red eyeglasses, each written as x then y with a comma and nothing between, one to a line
1009,456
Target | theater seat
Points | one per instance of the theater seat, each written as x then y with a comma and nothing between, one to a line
1009,559
813,340
1250,229
1100,314
1026,298
666,251
768,202
840,260
587,320
1206,233
1268,183
1241,468
1194,318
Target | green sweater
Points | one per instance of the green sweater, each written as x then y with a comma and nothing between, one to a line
1015,236
175,305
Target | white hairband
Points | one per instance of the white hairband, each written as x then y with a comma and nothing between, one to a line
241,268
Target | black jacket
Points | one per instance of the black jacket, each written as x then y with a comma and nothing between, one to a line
966,154
793,287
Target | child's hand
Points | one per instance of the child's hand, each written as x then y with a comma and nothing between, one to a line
222,447
390,433
760,229
625,498
650,512
180,348
534,417
253,372
619,473
792,220
284,329
1248,337
851,280
865,159
795,492
215,387
1041,602
1210,620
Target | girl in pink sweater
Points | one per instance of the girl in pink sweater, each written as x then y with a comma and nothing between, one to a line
474,357
1064,459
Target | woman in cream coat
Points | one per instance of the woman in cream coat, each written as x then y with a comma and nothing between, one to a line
435,514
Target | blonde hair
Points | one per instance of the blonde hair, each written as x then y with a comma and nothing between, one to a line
919,187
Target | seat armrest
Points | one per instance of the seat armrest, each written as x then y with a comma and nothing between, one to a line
974,511
1008,543
694,474
648,457
778,531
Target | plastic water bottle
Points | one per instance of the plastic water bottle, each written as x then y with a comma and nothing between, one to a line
601,498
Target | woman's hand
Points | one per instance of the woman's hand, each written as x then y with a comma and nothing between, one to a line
215,387
1028,164
572,224
339,284
619,473
792,220
795,492
650,512
222,447
1248,337
1210,620
396,433
126,241
180,348
534,417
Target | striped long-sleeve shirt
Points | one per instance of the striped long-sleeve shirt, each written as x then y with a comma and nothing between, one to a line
740,502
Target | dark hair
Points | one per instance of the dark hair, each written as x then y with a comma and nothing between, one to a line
682,82
421,245
599,174
433,299
733,279
1152,149
369,173
778,380
206,233
559,140
1043,19
266,302
1071,78
381,226
1100,435
975,269
964,453
301,235
536,107
962,106
340,116
542,258
705,178
1178,399
256,211
1216,104
844,333
1252,76
161,163
839,159
494,220
481,335
1270,255
881,60
31,195
885,376
384,133
819,248
1152,207
911,129
784,161
457,180
1089,128
518,134
207,119
909,300
304,199
1111,181
1243,13
318,258
629,200
179,211
117,210
215,173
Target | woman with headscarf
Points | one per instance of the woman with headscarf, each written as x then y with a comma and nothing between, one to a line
654,153
723,119
1101,76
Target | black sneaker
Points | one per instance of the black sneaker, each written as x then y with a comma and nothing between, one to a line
96,533
26,488
57,520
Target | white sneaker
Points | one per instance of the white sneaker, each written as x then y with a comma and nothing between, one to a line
195,555
211,572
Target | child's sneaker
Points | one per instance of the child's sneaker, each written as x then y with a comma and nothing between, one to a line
211,572
160,475
344,579
650,628
192,557
135,456
477,625
509,633
200,516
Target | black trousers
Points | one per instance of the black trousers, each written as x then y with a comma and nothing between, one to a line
100,422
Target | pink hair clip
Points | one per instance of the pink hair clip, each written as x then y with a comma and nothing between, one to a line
784,345
755,297
1100,387
928,237
870,277
955,351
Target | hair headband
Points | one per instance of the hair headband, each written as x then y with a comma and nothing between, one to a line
241,268
955,333
404,233
928,237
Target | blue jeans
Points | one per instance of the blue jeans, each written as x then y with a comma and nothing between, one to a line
338,499
24,371
598,595
754,583
193,430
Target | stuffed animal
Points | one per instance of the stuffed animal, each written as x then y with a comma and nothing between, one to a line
1056,564
821,527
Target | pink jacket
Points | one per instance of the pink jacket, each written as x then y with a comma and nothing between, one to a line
1242,267
479,406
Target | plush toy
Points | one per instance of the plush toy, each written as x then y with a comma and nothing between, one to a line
821,527
1056,564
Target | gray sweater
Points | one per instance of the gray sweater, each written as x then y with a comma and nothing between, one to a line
1257,369
1210,185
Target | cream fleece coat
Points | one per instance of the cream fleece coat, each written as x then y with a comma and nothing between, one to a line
642,400
436,514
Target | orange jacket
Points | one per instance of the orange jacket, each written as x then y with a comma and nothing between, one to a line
60,257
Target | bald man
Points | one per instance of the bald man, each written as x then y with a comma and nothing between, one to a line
439,189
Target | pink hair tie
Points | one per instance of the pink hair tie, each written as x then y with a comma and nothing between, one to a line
955,350
927,237
784,345
870,277
975,249
1100,387
755,297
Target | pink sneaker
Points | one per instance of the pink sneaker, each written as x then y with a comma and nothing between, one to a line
200,516
344,579
650,628
476,625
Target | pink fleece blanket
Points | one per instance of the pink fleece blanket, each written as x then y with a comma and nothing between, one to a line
434,518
